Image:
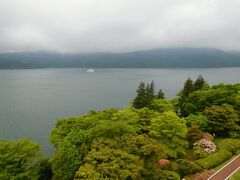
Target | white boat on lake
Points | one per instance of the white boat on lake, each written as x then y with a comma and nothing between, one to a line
90,70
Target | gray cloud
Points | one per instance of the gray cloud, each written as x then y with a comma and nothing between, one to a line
118,25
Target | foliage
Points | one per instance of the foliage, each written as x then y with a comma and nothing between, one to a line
19,159
160,94
150,91
198,119
146,95
111,130
140,100
199,152
186,167
220,94
199,83
170,130
145,117
44,170
221,119
194,133
70,154
232,145
148,149
188,88
110,163
161,105
214,159
166,175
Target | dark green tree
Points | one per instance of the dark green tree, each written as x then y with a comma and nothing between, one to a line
152,90
221,119
160,94
149,95
199,83
188,88
140,100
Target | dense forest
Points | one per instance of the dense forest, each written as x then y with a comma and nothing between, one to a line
152,138
154,58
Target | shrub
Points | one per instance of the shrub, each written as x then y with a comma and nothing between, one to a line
163,175
214,159
198,152
206,145
186,167
232,145
234,134
169,175
198,119
194,133
207,136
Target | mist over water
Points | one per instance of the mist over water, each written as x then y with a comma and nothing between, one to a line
31,100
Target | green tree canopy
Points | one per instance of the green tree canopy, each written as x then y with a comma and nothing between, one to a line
199,83
221,119
198,119
220,94
160,94
140,100
170,130
19,159
107,163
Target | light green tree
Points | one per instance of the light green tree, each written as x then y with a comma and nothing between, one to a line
170,130
107,163
19,159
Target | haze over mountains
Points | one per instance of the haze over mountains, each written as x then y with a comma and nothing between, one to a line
155,58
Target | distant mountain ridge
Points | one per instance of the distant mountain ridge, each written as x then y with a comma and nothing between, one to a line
155,58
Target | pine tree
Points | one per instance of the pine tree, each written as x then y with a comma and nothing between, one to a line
160,94
149,95
140,100
199,83
152,90
188,87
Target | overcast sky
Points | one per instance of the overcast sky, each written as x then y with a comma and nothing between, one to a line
118,25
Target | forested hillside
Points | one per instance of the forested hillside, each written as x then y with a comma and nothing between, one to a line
156,58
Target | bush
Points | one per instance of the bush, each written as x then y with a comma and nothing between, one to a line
232,145
207,136
169,175
194,133
186,167
162,175
199,152
44,170
207,146
198,119
214,159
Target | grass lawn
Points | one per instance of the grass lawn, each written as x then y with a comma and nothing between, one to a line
236,175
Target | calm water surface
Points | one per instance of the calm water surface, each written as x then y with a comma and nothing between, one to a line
32,100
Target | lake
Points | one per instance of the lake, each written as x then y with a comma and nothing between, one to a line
31,100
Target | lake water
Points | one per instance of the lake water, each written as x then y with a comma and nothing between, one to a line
31,100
